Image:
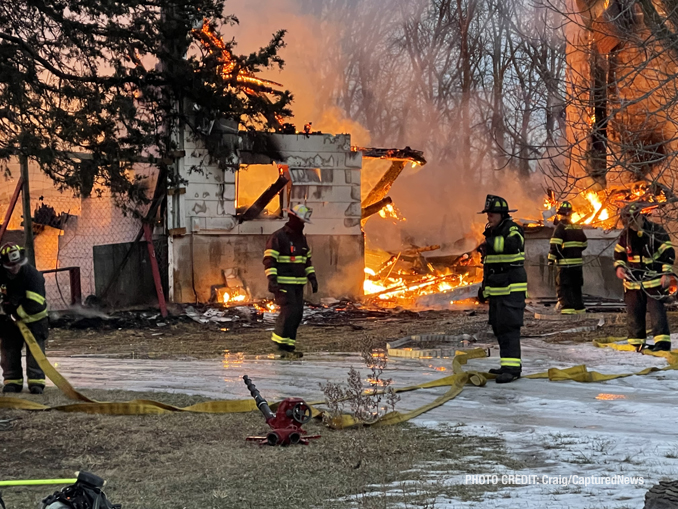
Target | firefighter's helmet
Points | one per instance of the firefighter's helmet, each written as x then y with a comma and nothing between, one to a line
302,212
565,209
496,204
12,255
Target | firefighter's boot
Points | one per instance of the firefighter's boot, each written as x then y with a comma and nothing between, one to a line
12,388
507,377
661,346
36,389
496,371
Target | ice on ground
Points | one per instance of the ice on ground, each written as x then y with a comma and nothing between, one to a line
557,431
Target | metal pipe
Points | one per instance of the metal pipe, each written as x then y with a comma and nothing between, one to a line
262,404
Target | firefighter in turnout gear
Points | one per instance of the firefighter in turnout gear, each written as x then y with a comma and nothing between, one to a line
567,245
644,258
504,284
287,260
23,299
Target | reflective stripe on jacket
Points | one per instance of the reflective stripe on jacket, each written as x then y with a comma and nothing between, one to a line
567,245
288,257
504,256
646,254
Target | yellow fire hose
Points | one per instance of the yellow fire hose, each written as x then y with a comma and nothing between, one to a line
455,382
37,482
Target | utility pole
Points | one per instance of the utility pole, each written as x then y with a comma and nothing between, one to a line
28,218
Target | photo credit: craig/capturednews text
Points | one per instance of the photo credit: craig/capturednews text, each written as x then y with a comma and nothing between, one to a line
560,480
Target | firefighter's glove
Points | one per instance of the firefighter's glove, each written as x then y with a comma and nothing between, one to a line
8,308
273,285
666,281
314,284
482,249
621,272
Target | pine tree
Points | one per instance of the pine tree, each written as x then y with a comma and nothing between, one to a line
89,88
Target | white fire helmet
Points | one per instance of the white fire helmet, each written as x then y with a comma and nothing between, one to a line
302,212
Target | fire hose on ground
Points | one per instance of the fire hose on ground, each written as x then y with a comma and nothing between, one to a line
455,382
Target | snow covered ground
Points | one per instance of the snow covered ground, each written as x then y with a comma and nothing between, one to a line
580,445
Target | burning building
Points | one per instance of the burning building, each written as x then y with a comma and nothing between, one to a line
219,219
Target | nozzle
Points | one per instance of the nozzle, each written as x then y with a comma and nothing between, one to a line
262,404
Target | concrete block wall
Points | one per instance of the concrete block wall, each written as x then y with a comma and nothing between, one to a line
326,176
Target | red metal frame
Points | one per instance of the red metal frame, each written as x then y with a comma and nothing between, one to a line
74,282
12,204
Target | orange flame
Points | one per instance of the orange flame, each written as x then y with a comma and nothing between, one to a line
390,211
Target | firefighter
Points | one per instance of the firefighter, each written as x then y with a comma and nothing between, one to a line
23,299
644,258
567,244
504,284
287,260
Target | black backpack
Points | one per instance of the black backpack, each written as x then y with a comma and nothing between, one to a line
84,494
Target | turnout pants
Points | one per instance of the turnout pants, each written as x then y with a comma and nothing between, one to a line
290,298
637,304
569,282
506,319
11,344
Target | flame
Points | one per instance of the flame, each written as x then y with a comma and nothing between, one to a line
404,286
392,212
266,306
596,212
234,296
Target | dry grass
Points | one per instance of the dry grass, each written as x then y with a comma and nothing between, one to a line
202,461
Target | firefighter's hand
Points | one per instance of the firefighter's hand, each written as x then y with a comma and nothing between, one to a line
314,284
621,272
273,285
8,308
666,280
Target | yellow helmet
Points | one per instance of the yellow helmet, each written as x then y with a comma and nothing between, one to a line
12,255
302,212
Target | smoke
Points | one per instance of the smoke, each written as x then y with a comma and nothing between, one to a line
307,68
333,66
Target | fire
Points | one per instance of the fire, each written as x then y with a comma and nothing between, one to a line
266,306
390,211
598,214
391,284
234,296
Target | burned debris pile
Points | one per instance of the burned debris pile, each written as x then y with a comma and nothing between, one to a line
405,277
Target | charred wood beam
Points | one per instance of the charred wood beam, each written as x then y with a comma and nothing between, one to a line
393,154
598,147
370,210
417,250
381,189
260,203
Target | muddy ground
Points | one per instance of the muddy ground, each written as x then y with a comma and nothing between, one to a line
180,337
